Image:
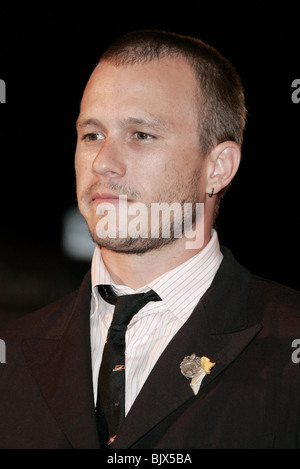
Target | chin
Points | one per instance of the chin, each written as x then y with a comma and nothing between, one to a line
137,246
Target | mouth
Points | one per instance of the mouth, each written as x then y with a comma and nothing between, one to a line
106,197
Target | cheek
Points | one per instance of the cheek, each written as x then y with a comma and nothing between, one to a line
77,163
78,173
82,168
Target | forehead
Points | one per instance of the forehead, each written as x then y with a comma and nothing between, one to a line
166,85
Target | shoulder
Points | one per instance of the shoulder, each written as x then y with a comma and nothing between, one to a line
51,320
273,295
275,292
41,320
266,301
278,305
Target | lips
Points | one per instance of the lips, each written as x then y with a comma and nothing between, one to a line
105,197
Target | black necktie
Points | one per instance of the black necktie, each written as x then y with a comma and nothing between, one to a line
111,381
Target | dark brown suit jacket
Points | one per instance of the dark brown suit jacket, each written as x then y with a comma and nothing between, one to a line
251,399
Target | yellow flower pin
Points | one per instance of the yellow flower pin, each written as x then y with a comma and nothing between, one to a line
206,365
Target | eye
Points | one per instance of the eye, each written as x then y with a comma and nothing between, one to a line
143,136
93,137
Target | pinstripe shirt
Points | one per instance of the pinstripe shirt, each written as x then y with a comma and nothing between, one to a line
152,328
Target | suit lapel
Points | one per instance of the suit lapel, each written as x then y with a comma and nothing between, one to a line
61,366
218,328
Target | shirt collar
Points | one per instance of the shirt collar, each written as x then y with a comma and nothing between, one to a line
185,284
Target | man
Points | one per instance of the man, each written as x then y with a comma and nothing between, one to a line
209,363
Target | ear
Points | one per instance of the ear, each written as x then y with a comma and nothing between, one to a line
222,165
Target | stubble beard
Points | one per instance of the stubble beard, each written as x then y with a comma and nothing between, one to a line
141,245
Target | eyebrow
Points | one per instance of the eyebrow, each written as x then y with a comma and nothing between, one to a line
87,122
149,121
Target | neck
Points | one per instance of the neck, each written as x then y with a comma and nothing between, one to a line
137,270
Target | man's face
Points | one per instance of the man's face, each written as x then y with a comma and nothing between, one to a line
138,136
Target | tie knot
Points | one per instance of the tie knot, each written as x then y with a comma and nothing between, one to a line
126,306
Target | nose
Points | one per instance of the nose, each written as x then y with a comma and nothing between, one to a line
109,160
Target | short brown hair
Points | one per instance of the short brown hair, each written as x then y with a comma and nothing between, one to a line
222,111
222,114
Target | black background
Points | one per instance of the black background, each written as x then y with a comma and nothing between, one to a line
48,51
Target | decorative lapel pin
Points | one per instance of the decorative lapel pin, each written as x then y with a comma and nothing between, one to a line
195,368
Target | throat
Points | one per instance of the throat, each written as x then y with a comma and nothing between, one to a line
138,270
